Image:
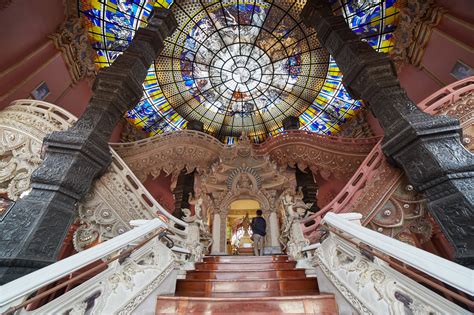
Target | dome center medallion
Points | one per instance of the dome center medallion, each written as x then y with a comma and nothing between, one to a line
241,75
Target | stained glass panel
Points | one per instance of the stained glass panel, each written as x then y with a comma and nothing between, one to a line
238,65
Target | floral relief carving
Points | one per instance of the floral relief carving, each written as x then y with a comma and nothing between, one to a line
71,39
115,198
416,20
373,287
193,150
23,126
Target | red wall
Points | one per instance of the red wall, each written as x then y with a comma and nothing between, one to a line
159,188
449,41
31,58
328,189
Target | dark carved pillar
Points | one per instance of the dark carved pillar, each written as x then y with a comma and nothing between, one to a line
184,186
305,180
291,123
32,233
196,125
428,148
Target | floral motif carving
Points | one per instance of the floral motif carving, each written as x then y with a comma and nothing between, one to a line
193,150
23,126
115,199
373,287
416,20
71,39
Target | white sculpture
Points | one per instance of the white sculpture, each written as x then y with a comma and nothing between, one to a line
292,233
205,234
197,202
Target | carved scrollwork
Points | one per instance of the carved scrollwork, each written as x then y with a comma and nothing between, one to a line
71,39
115,199
23,126
373,287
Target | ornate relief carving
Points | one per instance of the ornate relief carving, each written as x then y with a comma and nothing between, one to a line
170,153
23,126
115,199
329,155
383,196
191,150
357,127
373,287
416,20
71,39
122,287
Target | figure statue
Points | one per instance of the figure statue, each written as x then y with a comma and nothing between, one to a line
204,232
292,236
197,202
244,182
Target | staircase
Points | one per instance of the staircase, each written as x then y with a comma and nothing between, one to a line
247,284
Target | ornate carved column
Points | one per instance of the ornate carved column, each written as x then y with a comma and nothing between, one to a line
222,232
184,186
428,148
274,231
33,231
216,234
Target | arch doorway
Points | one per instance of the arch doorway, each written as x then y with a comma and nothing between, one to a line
238,230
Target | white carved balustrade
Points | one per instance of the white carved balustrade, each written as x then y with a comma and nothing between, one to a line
353,262
128,283
116,198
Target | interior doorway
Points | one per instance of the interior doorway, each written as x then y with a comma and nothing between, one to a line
238,230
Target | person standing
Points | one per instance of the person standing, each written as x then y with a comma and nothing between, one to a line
259,227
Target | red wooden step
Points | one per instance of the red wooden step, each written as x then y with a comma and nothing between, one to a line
321,304
245,285
247,259
248,274
243,266
247,294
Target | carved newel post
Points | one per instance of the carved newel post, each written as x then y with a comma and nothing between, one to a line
427,147
32,234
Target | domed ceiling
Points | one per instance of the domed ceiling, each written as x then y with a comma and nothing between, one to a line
237,65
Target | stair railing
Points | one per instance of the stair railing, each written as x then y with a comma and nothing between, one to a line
381,275
136,262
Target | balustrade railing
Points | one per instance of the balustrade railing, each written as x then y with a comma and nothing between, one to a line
108,272
447,95
19,289
358,261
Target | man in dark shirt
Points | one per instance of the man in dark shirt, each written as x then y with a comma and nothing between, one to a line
259,226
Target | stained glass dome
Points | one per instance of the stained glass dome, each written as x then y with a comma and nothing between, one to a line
237,65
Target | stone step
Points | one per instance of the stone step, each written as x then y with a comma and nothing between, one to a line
243,266
246,285
248,274
308,304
